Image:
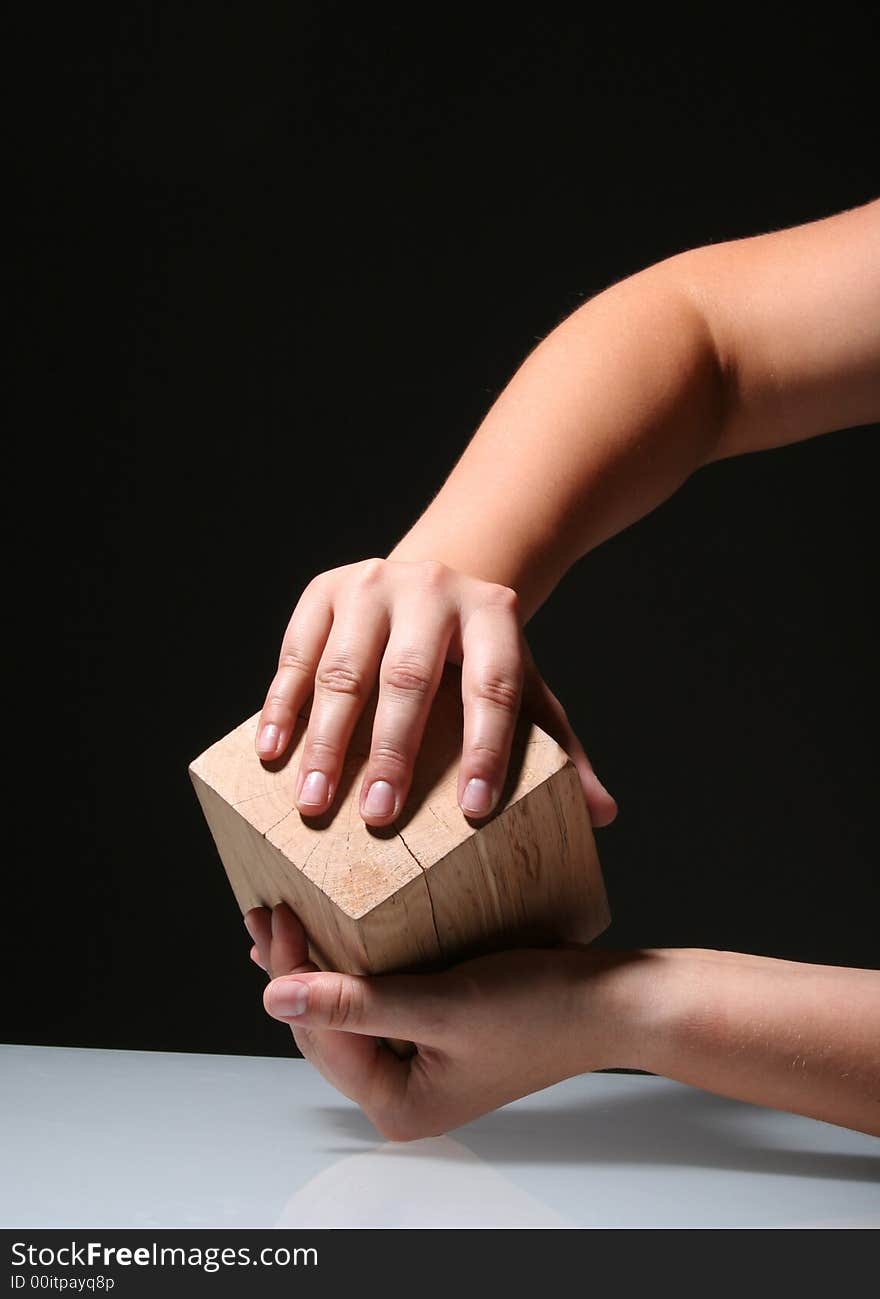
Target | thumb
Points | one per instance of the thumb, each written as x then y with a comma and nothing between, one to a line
393,1006
545,709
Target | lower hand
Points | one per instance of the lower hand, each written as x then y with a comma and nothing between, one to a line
485,1032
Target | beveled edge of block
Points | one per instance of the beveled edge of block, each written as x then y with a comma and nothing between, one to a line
412,868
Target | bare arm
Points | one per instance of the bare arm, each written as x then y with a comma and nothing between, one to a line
791,1036
720,350
728,348
788,1035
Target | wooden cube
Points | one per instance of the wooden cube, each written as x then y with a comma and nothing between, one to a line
436,886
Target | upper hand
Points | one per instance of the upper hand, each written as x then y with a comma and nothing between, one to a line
403,621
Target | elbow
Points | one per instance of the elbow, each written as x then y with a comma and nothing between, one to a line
691,280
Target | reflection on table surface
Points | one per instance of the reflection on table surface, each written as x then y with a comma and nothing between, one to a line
138,1139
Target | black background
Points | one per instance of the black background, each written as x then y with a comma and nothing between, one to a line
270,265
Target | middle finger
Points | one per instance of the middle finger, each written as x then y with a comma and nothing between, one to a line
409,677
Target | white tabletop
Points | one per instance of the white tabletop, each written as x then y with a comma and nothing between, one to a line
142,1139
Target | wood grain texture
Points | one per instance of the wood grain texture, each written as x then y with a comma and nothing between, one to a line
436,886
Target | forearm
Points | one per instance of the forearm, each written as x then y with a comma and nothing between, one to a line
791,1036
604,420
728,348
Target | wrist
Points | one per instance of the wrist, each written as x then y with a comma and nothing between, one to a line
635,1003
673,1002
491,552
461,553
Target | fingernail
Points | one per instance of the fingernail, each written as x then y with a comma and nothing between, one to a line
380,799
292,998
269,738
247,925
314,790
477,797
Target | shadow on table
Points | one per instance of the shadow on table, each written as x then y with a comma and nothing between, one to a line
683,1128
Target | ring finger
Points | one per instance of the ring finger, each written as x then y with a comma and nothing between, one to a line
343,681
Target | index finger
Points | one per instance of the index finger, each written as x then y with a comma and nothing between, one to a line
491,688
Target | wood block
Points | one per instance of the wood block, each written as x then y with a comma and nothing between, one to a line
436,886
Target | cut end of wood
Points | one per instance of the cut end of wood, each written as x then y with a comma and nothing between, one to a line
434,883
